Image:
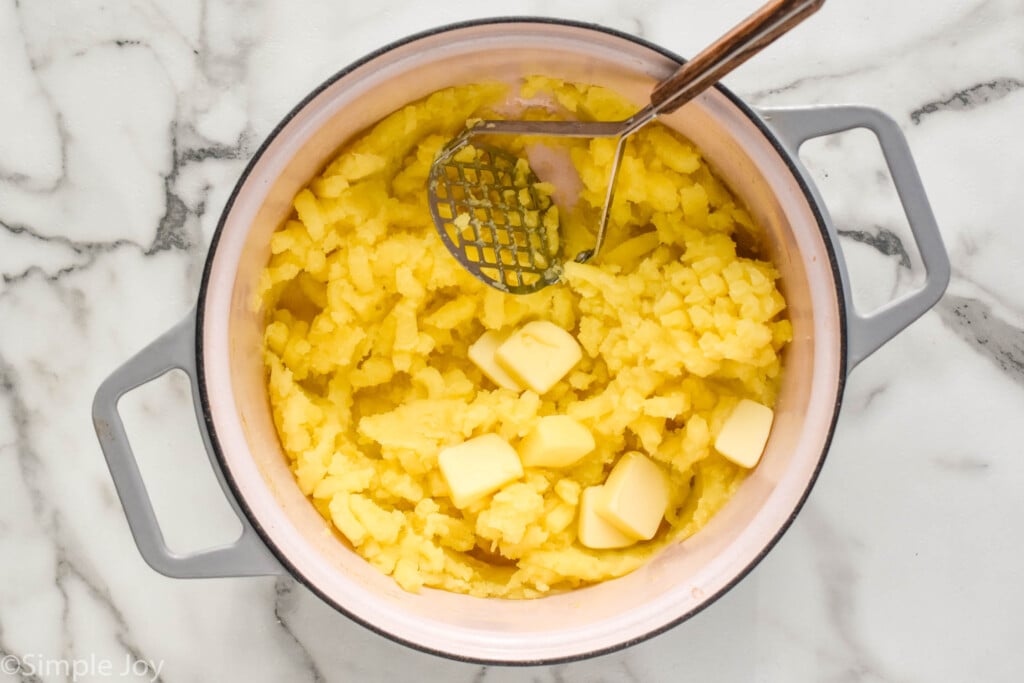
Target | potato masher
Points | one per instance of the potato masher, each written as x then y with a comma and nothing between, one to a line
484,200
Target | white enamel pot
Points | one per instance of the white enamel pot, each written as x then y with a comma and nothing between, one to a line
755,151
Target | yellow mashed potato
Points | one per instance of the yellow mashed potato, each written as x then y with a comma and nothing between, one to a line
369,319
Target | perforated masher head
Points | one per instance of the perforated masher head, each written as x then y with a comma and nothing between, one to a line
489,214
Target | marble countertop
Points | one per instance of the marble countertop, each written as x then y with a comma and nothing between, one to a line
123,127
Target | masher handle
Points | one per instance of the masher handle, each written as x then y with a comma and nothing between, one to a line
755,33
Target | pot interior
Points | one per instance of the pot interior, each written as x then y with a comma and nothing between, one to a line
680,580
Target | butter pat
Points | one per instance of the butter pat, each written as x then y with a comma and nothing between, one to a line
635,496
594,532
478,467
556,441
481,353
539,354
745,433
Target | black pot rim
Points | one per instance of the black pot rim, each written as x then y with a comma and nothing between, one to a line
200,314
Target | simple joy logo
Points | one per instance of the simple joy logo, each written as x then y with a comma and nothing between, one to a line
80,668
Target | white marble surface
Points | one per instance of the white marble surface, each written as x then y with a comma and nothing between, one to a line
123,127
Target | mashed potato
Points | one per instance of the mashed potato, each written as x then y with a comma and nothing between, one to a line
369,319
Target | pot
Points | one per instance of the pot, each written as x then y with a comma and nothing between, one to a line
218,344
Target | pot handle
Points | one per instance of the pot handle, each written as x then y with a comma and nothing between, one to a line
796,125
175,349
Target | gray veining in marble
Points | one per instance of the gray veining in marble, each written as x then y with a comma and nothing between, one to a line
969,98
998,340
883,240
284,591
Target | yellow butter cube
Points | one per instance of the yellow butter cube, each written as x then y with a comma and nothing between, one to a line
481,353
478,467
539,354
556,441
745,433
635,496
594,532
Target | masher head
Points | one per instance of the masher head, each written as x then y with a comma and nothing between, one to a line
491,213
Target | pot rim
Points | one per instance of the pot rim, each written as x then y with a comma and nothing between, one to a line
203,396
